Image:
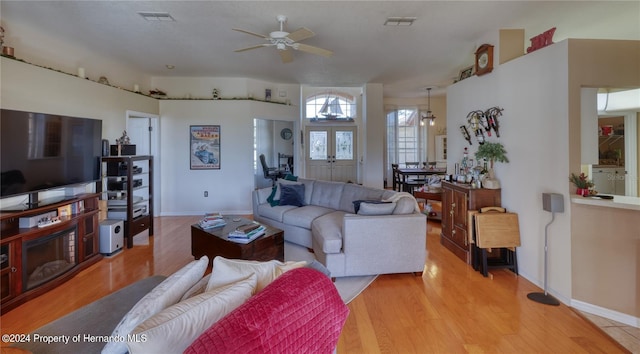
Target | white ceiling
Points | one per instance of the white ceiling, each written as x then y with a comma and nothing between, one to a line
405,59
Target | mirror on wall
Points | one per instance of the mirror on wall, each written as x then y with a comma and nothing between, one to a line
275,140
616,171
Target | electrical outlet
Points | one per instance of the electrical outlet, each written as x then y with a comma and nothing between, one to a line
206,194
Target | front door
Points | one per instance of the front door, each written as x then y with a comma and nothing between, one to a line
331,153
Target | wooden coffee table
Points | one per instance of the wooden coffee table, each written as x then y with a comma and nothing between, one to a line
214,242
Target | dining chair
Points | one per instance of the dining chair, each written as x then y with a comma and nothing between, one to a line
397,181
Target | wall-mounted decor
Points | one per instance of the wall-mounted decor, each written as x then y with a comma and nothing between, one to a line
204,145
542,40
465,73
484,59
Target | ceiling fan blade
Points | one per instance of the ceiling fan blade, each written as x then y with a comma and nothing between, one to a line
313,50
300,34
286,55
253,47
251,33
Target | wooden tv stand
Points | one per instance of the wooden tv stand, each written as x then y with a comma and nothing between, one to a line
13,239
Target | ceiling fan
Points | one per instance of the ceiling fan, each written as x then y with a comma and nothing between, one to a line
284,40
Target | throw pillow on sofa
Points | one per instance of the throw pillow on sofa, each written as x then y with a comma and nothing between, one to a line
292,194
228,271
197,289
383,208
176,327
167,293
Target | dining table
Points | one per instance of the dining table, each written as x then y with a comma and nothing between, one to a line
410,177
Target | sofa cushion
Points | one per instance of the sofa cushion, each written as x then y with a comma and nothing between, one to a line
176,327
274,213
292,194
352,192
167,293
304,216
327,194
327,231
228,271
383,208
300,312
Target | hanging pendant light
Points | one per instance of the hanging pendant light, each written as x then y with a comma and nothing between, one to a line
428,115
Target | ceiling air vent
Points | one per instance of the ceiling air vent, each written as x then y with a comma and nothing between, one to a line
156,16
399,21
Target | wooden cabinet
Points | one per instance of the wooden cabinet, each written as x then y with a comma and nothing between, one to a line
78,217
457,199
10,281
127,186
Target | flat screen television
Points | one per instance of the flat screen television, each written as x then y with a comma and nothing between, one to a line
40,151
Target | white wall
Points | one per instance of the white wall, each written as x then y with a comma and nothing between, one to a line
31,88
533,90
229,187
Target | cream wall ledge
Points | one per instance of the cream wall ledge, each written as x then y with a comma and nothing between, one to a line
618,201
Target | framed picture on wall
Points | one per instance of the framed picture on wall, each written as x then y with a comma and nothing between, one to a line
465,73
204,145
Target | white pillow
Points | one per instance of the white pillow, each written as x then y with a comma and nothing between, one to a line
162,296
176,327
376,208
197,289
228,271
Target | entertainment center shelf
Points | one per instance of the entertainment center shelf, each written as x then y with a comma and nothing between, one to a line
127,187
28,255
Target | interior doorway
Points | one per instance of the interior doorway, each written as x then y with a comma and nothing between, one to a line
144,131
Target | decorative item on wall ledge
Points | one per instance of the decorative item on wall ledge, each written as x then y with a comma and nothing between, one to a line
157,93
204,147
542,40
465,73
493,152
484,59
216,94
103,80
582,183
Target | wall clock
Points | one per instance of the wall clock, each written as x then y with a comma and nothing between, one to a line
484,59
286,133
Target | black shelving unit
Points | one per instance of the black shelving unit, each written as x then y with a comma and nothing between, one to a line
127,186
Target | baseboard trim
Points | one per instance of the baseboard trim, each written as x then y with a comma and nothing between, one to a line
606,313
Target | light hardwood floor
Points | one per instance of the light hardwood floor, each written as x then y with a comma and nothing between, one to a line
449,309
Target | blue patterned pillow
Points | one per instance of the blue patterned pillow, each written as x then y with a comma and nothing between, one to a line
292,194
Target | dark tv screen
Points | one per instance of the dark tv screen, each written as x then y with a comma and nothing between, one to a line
41,151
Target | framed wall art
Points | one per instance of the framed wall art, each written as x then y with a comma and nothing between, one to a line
204,145
465,73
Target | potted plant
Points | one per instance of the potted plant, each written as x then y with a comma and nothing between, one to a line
582,183
494,152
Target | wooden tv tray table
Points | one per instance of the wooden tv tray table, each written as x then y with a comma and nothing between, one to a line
214,242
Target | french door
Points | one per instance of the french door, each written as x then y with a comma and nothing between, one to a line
331,153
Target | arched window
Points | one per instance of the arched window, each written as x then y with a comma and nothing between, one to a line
331,106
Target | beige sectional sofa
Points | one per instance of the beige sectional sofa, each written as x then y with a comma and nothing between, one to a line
386,235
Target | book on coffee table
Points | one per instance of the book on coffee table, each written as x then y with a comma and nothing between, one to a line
240,236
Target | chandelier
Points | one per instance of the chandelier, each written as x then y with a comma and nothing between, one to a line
428,115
